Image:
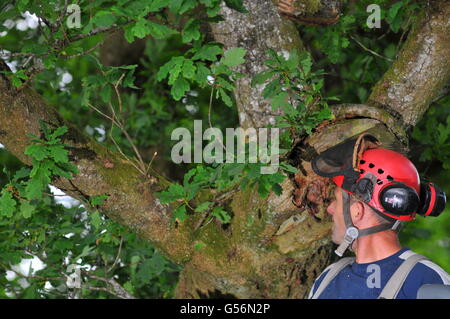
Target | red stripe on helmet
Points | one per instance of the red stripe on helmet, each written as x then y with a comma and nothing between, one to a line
432,201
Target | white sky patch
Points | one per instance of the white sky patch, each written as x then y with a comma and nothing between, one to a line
4,54
21,25
99,129
29,21
285,54
62,198
67,77
210,79
9,24
1,146
26,267
191,108
102,131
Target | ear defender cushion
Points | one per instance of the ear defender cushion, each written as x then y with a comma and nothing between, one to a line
399,199
432,201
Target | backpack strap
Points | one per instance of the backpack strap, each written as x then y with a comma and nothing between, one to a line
334,270
395,283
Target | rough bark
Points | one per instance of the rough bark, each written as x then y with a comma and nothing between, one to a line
257,31
421,69
252,257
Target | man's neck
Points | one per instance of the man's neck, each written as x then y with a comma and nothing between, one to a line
376,247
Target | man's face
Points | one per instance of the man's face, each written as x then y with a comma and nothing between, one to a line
335,210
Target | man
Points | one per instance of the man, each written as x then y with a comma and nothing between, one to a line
376,190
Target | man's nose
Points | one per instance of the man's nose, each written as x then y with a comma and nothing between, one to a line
330,208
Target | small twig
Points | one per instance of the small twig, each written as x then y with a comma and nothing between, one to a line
119,291
119,99
118,255
150,164
94,32
371,51
210,123
122,153
84,52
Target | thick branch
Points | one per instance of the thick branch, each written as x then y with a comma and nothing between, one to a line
101,171
311,12
257,31
421,69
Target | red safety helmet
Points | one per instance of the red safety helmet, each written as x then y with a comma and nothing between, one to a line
385,180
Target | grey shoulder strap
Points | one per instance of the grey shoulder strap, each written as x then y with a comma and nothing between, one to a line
395,283
334,270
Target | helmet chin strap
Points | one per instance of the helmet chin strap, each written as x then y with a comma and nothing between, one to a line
352,233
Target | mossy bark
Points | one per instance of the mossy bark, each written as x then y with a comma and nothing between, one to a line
421,69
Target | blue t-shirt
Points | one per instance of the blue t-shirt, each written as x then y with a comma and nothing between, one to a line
366,281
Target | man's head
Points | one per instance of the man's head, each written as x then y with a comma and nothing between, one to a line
385,183
362,215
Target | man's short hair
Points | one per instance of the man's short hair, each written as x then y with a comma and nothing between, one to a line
380,219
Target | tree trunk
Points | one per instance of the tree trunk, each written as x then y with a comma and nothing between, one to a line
252,257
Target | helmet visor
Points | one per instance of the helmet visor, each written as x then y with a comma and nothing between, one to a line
342,159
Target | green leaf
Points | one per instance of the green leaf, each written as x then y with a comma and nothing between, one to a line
236,5
208,52
157,5
289,168
221,215
128,286
174,192
22,173
18,78
234,57
201,76
160,31
34,189
59,132
172,68
105,93
7,204
58,153
262,77
225,97
26,209
98,200
179,88
96,219
202,207
140,28
104,19
191,31
36,151
199,245
179,214
188,69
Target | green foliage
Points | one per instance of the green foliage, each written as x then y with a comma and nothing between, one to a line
434,134
296,89
49,159
182,71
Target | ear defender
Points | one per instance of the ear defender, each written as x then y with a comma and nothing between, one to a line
399,199
433,200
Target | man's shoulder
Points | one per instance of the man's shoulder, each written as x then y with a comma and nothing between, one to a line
320,278
426,271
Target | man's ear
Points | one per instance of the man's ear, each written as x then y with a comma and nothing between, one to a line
357,211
